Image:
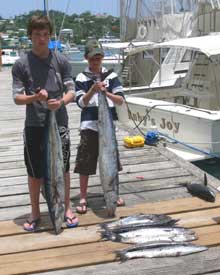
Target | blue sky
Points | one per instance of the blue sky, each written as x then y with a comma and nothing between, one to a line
16,7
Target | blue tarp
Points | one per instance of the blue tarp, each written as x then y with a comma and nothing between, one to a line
55,44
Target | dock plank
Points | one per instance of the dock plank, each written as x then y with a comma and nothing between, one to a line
151,182
193,210
196,264
48,259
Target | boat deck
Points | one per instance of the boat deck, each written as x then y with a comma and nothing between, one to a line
149,183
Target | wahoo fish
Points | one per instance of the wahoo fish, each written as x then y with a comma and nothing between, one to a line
108,155
152,234
160,249
138,221
201,190
54,181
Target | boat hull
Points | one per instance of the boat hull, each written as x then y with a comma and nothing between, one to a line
184,125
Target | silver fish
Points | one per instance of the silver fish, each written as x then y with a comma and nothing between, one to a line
152,234
138,221
54,181
108,155
162,249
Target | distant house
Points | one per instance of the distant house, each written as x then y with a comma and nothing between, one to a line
101,15
68,32
2,21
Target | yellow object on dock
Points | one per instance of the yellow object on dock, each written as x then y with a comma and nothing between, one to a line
135,141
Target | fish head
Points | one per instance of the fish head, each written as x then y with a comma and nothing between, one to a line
202,191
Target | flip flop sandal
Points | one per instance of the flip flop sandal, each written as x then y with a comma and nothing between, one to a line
70,223
32,225
83,206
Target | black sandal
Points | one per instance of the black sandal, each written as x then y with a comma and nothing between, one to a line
71,222
32,225
83,206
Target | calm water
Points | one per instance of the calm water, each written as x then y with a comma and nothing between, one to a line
211,166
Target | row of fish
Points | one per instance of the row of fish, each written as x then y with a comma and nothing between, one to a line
154,235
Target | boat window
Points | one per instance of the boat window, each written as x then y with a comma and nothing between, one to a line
13,53
173,56
187,57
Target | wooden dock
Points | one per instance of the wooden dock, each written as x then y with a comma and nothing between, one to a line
149,183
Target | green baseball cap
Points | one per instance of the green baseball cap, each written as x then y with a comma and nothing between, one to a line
92,48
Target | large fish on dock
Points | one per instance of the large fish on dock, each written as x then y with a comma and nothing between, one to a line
152,234
108,154
160,249
201,190
138,221
54,181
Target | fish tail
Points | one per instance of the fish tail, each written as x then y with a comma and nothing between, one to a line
205,179
104,225
122,255
109,235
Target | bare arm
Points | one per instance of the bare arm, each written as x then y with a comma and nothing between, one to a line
23,99
117,99
90,93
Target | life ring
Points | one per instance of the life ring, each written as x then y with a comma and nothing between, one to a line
142,31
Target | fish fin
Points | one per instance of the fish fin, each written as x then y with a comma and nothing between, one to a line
106,74
205,179
173,222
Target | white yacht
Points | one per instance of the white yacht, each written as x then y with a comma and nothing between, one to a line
9,56
182,99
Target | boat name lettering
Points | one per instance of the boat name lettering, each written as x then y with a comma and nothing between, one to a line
170,125
163,124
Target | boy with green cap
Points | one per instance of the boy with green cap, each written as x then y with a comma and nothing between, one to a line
87,99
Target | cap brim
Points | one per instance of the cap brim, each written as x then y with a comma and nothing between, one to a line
96,52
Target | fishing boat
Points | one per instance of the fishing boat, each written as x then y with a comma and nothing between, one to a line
9,56
79,63
108,39
182,99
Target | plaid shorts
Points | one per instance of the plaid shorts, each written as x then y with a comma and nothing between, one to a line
34,149
87,154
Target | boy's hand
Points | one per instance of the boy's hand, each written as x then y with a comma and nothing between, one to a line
99,86
53,104
42,95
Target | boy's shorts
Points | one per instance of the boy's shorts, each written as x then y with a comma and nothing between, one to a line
34,149
87,154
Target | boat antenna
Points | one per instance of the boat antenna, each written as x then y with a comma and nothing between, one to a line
46,7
